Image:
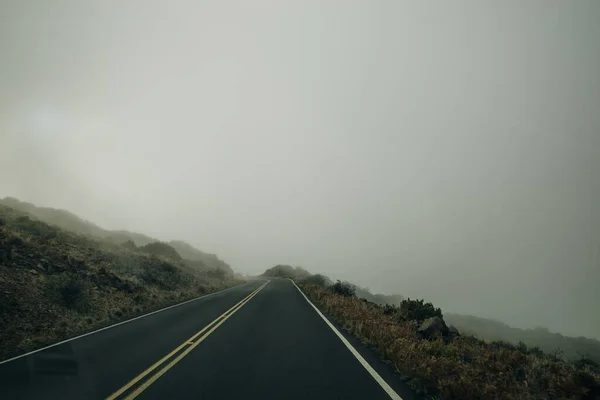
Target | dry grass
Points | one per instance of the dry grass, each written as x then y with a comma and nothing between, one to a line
463,367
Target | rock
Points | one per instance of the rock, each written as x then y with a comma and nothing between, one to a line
433,326
33,272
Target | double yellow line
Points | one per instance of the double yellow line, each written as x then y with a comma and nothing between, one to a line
186,346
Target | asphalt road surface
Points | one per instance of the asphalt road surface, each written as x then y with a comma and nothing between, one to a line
259,340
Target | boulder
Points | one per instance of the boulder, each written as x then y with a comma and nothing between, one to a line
433,326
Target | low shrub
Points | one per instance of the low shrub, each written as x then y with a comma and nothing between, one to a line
345,289
218,274
69,290
162,250
161,273
418,310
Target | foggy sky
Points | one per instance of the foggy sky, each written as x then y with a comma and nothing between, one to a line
442,150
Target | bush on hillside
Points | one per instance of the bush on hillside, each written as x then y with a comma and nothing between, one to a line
418,310
217,274
161,249
69,290
161,273
35,228
345,289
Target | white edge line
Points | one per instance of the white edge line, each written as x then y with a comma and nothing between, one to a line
117,324
363,362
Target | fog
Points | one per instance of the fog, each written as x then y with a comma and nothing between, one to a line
446,151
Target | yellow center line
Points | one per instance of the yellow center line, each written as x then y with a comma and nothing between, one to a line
160,373
189,342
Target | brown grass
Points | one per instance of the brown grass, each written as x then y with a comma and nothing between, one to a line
459,368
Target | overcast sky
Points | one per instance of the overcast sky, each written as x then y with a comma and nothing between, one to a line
445,150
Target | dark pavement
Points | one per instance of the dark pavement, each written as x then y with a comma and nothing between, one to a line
274,346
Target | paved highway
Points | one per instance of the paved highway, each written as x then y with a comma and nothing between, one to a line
259,340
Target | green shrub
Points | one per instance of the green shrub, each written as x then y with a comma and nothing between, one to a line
586,362
161,273
70,290
418,310
389,309
217,274
345,289
162,250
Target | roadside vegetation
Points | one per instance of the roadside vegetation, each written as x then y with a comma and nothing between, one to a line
439,362
56,284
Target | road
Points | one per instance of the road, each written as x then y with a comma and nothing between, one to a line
259,340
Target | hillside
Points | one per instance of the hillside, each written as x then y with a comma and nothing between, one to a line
61,218
211,261
572,348
57,284
71,222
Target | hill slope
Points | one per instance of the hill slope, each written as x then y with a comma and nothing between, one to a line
57,284
189,252
71,222
573,348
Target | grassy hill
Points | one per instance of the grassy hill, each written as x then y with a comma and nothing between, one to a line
57,284
71,222
60,218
